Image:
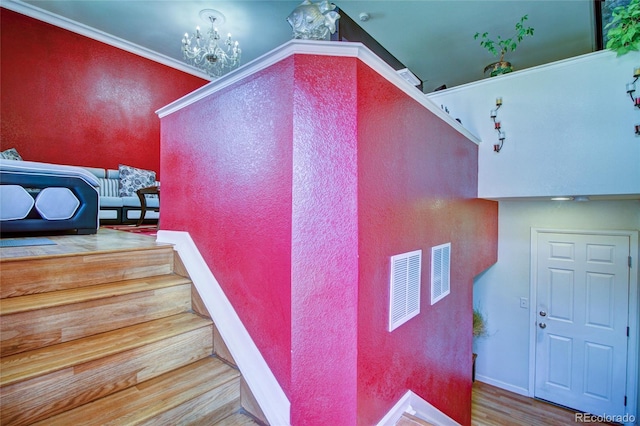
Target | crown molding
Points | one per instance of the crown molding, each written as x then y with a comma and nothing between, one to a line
95,34
318,48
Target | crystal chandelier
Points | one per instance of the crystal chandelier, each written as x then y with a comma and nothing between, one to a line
207,52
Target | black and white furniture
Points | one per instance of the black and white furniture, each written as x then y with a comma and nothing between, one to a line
42,197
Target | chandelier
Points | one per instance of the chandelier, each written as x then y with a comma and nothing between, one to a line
207,52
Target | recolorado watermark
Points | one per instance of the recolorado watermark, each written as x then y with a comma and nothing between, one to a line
604,418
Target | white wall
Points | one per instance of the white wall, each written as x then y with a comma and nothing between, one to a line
503,356
569,128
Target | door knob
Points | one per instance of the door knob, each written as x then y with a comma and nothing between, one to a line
543,325
543,314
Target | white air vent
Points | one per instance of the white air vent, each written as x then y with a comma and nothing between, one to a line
440,272
405,288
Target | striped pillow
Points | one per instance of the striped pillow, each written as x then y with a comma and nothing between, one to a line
108,187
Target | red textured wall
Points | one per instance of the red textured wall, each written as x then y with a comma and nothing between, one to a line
324,287
314,172
69,99
417,184
227,182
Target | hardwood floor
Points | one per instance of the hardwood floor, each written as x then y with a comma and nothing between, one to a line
492,406
105,239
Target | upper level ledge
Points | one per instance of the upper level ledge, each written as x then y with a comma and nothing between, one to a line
315,47
585,59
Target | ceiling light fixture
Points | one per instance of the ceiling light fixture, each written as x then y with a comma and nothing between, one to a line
206,51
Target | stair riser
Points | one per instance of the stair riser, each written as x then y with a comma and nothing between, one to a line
22,277
41,397
35,329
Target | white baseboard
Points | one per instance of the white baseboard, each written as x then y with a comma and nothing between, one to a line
413,404
503,385
254,369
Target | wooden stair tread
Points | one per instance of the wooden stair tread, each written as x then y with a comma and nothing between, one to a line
237,419
410,420
30,302
98,248
26,365
144,401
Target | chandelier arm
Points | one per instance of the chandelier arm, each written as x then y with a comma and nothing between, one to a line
206,50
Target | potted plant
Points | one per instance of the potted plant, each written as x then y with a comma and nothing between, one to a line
624,28
479,330
500,46
479,324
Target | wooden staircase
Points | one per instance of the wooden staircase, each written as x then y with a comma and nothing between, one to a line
110,338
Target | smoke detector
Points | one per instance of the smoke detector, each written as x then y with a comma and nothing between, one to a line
364,16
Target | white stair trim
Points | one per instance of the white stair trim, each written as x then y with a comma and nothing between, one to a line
254,369
413,404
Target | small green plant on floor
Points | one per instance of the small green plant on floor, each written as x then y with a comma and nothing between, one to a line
479,324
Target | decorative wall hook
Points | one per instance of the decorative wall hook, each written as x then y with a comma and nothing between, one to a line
631,88
498,126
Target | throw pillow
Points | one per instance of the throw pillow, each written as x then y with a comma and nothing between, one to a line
109,187
132,179
10,154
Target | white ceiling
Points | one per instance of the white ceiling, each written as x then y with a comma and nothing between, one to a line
434,38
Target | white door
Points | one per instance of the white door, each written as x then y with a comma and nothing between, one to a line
582,301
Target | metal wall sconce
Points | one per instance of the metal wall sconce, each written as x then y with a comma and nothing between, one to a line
497,126
631,88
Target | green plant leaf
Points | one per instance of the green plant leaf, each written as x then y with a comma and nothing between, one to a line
623,31
506,44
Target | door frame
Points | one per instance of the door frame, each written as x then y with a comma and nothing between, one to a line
634,302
